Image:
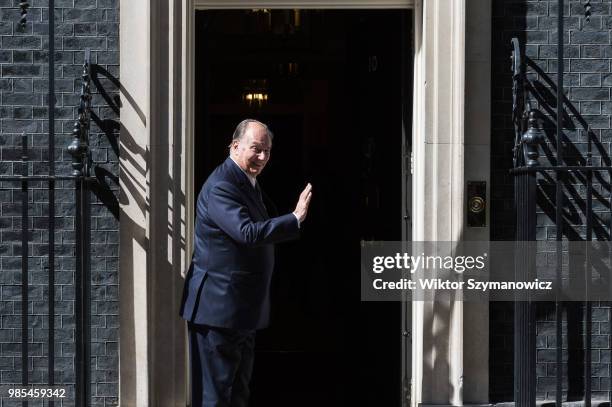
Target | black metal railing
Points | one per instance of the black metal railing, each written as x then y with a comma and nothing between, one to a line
530,177
83,181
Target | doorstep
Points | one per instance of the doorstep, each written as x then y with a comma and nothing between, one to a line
539,403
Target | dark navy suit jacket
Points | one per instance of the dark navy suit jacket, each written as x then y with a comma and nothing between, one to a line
228,283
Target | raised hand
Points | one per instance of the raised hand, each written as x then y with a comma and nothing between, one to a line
301,209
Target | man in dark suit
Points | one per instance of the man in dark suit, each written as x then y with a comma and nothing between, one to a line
226,296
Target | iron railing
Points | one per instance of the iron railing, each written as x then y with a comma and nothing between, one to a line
81,176
563,173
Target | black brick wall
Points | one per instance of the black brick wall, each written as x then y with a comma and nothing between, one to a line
80,24
588,79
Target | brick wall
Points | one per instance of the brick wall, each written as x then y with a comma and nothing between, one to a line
588,79
80,24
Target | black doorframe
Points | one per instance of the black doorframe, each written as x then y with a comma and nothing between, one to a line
407,49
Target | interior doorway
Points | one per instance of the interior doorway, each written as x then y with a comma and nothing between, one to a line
334,87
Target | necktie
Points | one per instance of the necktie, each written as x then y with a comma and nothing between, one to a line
260,197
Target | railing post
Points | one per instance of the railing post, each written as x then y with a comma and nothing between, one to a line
524,317
24,265
524,190
559,177
51,229
79,149
524,320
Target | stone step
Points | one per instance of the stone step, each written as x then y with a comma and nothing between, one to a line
539,403
549,403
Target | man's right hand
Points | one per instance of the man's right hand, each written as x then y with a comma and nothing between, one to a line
301,208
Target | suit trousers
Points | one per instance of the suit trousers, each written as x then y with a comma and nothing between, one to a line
221,365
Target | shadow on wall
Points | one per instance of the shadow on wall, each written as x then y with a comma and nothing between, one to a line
534,24
577,133
132,192
150,205
106,180
581,147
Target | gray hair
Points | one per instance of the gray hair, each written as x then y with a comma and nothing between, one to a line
244,125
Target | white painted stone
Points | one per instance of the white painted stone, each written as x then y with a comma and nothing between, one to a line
152,336
157,124
133,179
451,141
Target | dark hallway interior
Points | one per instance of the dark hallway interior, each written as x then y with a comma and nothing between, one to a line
333,87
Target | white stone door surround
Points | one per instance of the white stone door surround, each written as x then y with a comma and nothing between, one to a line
451,122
